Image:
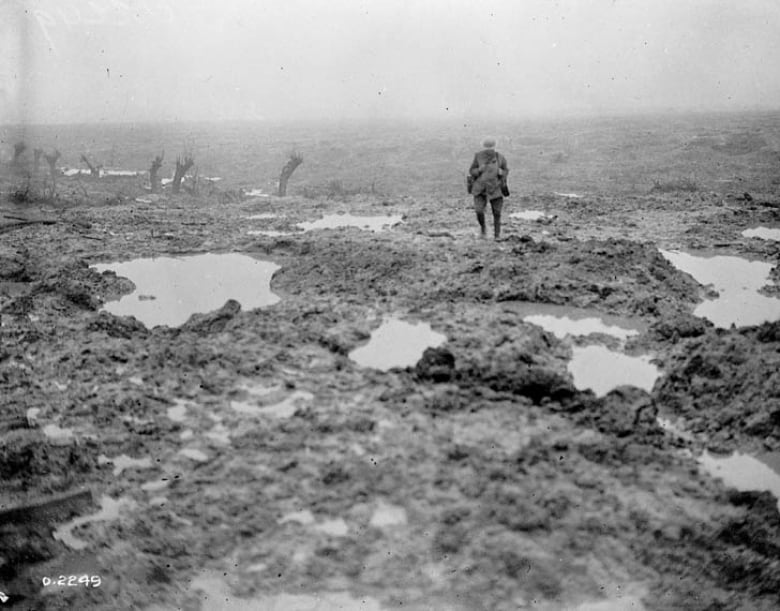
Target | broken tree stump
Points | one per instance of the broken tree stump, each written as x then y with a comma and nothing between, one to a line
182,165
293,162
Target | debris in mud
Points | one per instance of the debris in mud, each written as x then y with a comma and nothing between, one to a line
396,344
123,461
109,510
188,285
436,364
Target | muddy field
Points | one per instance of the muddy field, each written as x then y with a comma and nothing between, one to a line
244,459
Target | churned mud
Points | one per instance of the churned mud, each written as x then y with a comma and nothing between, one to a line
392,414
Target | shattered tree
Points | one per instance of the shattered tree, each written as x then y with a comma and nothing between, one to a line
19,149
182,166
154,173
51,159
94,170
293,162
37,153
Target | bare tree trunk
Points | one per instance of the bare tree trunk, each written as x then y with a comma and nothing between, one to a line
295,160
19,149
182,165
37,161
51,159
154,178
93,170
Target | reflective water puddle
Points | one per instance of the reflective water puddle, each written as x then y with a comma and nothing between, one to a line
56,435
738,281
624,603
304,517
285,408
188,285
256,193
269,232
214,594
335,527
155,485
528,215
123,461
601,370
263,215
570,195
765,233
194,454
333,221
386,515
178,413
109,510
745,472
582,324
396,344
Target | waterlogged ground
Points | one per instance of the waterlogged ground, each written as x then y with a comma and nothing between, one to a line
282,442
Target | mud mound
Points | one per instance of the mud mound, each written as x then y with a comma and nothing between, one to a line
726,384
26,456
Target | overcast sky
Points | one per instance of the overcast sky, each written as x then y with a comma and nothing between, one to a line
128,60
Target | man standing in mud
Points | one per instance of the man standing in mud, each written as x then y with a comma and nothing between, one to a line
489,172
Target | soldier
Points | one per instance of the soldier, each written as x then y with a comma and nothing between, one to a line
489,172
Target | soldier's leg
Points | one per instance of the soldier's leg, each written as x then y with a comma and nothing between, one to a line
497,205
480,203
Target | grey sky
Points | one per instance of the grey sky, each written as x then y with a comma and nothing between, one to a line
119,60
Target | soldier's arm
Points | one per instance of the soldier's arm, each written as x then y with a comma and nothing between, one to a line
475,170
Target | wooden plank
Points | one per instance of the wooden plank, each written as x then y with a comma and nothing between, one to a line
56,509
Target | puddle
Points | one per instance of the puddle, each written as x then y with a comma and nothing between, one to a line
194,454
388,515
264,215
745,472
561,326
737,280
219,434
256,193
74,172
304,517
122,173
178,413
624,603
57,435
570,195
269,232
282,409
109,510
333,221
334,528
765,233
600,370
189,285
123,461
529,215
396,344
214,594
155,485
